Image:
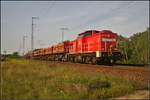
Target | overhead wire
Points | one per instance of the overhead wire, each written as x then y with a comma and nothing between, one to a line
109,25
46,12
48,9
104,15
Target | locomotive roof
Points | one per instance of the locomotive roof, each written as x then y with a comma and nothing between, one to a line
107,31
89,31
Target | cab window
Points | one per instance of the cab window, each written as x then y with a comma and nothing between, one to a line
87,34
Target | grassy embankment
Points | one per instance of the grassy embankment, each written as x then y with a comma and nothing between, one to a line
40,79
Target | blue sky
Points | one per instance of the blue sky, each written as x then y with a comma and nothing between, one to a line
124,17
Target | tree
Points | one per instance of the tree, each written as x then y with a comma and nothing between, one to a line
135,48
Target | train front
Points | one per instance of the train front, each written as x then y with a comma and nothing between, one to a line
109,52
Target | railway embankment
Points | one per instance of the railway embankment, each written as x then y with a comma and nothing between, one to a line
23,78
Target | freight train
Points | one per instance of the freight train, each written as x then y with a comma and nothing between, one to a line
92,46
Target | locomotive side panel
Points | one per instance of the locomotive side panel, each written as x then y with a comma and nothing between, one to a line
72,47
93,43
79,45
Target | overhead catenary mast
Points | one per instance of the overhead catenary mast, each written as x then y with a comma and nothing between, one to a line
24,44
32,33
63,29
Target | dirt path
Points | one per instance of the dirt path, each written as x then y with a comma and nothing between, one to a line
141,94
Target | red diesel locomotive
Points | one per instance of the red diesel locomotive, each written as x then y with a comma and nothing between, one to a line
92,46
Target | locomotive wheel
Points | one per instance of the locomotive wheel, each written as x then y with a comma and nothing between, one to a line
86,60
83,60
71,59
106,61
110,61
94,60
76,59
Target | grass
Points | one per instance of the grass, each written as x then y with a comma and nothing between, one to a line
39,79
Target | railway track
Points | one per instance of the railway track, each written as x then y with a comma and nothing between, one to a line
132,65
128,67
116,64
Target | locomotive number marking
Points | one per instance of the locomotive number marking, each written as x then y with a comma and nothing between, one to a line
108,39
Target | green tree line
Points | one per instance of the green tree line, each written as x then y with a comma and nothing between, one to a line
135,49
